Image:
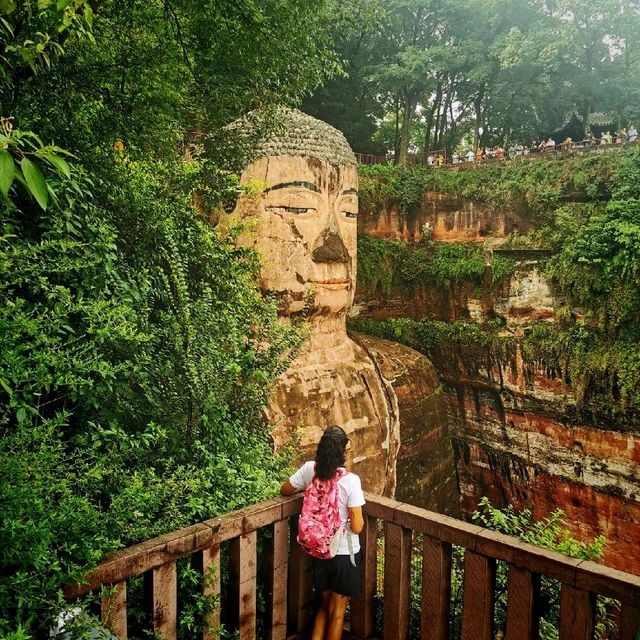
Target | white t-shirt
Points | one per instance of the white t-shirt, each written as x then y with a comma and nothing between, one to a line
350,495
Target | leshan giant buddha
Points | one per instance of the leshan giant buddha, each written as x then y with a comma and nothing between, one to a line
306,235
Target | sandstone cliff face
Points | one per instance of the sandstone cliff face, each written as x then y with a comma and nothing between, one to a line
452,219
517,434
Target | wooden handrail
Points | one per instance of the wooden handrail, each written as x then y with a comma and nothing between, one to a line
290,583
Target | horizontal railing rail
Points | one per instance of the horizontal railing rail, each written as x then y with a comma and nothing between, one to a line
289,593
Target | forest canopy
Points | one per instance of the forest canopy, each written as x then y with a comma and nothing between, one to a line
426,74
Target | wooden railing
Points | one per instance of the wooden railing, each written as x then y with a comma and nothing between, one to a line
289,598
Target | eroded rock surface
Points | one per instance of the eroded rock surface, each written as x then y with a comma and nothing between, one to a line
517,431
452,219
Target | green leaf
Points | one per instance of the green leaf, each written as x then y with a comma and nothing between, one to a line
5,385
8,6
36,182
7,171
59,163
63,4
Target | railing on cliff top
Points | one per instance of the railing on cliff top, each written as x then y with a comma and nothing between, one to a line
547,153
289,606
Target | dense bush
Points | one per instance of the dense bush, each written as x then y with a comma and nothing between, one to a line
136,349
540,184
386,264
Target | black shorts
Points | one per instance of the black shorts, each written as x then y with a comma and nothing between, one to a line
338,575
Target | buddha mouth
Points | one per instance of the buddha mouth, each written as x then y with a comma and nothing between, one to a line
333,283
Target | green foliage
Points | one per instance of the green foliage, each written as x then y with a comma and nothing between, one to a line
457,346
386,264
515,70
23,159
549,533
136,351
136,347
541,184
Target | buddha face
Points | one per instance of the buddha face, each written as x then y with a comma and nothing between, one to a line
306,232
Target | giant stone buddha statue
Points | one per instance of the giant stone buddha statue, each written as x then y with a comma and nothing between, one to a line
306,235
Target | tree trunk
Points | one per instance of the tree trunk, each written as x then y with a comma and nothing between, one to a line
443,124
427,135
396,145
478,121
585,124
405,134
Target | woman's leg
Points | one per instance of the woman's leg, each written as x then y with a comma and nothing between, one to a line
337,607
320,622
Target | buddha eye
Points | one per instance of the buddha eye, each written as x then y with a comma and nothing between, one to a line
350,214
293,210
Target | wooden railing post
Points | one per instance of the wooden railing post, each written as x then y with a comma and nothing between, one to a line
436,589
362,608
479,594
211,572
299,596
113,609
247,585
577,613
278,630
522,596
397,576
629,622
164,594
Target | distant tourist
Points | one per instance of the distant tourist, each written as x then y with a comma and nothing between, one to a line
470,155
606,138
500,153
439,160
430,160
479,154
550,144
632,134
567,144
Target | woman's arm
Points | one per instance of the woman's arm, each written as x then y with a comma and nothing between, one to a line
287,489
356,519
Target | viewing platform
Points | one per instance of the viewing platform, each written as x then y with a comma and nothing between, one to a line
392,533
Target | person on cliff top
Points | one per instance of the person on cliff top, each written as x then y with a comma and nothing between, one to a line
336,579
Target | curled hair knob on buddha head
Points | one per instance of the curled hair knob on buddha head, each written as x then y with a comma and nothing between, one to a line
330,454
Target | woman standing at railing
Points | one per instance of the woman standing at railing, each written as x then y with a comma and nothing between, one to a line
337,579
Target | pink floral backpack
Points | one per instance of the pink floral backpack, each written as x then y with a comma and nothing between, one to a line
319,527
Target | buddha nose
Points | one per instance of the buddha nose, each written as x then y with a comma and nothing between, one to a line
330,248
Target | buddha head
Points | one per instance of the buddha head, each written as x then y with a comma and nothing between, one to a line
305,217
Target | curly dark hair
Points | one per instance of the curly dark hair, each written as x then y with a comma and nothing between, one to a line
330,452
